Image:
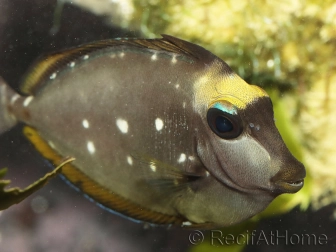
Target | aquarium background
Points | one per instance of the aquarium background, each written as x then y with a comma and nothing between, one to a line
287,47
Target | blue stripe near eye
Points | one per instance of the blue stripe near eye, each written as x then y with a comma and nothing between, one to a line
230,110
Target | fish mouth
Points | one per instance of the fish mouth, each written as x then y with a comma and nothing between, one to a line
289,186
290,179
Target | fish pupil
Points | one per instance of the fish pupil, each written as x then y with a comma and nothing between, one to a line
223,124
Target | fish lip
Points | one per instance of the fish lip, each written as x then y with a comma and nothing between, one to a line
289,179
289,186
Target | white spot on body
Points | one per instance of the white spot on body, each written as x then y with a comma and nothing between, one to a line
186,223
72,64
122,54
184,104
182,158
257,127
91,148
51,144
251,125
86,124
153,167
158,124
27,101
154,57
191,158
86,57
122,125
207,173
177,86
174,59
53,76
14,98
129,160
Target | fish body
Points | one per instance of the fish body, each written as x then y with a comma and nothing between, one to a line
161,130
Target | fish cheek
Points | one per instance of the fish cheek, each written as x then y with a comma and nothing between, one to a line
246,162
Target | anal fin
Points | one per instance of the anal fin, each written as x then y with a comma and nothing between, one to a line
96,191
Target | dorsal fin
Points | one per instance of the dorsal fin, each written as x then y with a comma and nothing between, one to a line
45,66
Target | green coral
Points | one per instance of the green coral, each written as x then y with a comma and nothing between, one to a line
270,43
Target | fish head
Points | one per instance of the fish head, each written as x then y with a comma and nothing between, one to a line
240,144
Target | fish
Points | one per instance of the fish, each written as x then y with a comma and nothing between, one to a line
161,130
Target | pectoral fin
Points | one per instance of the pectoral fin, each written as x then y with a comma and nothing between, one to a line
165,178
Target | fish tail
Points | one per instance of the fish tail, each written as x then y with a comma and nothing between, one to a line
7,119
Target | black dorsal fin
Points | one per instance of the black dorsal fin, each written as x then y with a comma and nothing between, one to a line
45,66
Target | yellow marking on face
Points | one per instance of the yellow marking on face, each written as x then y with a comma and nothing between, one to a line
213,86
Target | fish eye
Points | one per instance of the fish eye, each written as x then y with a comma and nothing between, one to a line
223,124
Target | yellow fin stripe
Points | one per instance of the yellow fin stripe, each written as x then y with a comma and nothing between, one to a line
40,71
96,191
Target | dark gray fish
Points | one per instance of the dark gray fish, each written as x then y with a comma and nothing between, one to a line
161,130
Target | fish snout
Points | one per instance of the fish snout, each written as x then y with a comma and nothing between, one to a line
290,178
